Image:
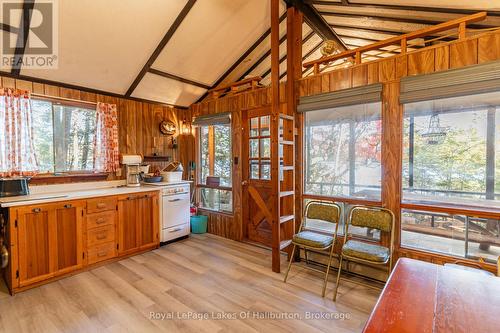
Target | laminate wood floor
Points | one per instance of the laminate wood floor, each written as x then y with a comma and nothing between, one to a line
201,284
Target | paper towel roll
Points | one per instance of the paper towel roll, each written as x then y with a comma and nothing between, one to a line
131,159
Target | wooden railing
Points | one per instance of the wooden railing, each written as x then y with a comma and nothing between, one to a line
236,87
402,41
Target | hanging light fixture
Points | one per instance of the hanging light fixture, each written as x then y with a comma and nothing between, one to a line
435,133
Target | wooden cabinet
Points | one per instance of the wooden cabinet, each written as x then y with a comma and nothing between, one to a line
49,240
138,222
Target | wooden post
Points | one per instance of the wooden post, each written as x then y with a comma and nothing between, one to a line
403,46
275,105
461,30
357,59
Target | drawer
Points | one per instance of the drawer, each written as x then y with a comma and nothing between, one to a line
175,232
100,235
101,204
101,252
101,219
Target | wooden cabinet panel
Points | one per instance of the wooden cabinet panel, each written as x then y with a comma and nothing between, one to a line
101,204
128,216
148,227
138,222
101,235
36,232
69,236
101,219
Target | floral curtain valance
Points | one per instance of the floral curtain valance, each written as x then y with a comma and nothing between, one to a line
106,155
17,153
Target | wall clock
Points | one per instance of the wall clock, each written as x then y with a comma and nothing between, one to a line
167,127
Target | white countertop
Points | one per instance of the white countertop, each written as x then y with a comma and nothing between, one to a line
55,193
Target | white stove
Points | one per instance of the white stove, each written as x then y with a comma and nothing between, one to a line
174,210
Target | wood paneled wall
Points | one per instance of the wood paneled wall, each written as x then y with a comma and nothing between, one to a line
138,122
231,226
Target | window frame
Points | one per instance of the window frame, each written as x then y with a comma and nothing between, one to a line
199,185
74,175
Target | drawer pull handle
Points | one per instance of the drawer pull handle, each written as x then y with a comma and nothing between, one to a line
101,205
174,200
36,210
176,229
100,220
100,237
130,198
68,205
102,254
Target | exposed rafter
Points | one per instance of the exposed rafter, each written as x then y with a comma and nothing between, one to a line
178,78
380,30
413,8
317,22
393,19
182,15
22,36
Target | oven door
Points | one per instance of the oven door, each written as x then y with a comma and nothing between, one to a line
175,210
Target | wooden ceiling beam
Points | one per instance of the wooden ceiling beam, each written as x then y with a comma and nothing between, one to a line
22,36
178,78
382,31
317,22
173,28
394,19
403,7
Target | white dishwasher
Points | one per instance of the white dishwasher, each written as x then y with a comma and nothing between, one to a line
175,205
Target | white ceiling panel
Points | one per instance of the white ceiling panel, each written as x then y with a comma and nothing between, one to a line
161,89
104,44
213,36
464,4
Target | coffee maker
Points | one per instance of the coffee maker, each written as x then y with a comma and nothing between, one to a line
133,173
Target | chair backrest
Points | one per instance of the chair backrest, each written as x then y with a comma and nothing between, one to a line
372,217
324,211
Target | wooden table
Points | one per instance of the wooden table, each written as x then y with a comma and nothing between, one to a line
424,297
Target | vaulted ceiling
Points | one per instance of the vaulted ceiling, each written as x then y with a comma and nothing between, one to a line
173,51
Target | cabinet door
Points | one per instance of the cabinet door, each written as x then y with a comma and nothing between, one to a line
128,217
36,241
69,236
148,224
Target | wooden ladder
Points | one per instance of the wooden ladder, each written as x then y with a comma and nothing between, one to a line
283,177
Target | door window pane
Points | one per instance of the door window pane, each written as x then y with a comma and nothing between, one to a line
265,148
254,169
265,170
254,127
264,125
254,148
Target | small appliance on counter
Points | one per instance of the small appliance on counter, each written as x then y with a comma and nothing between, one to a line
10,187
133,169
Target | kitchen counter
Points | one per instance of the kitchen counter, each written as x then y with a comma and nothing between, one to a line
55,193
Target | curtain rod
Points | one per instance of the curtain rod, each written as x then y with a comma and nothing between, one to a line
63,99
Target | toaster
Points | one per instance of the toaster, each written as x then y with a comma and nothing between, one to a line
10,187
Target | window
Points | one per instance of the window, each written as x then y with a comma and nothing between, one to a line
451,156
342,151
63,136
452,152
215,160
260,148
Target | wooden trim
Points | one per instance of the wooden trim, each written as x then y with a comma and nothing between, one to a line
454,209
22,38
351,201
178,78
222,188
173,28
65,101
397,40
216,212
46,179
